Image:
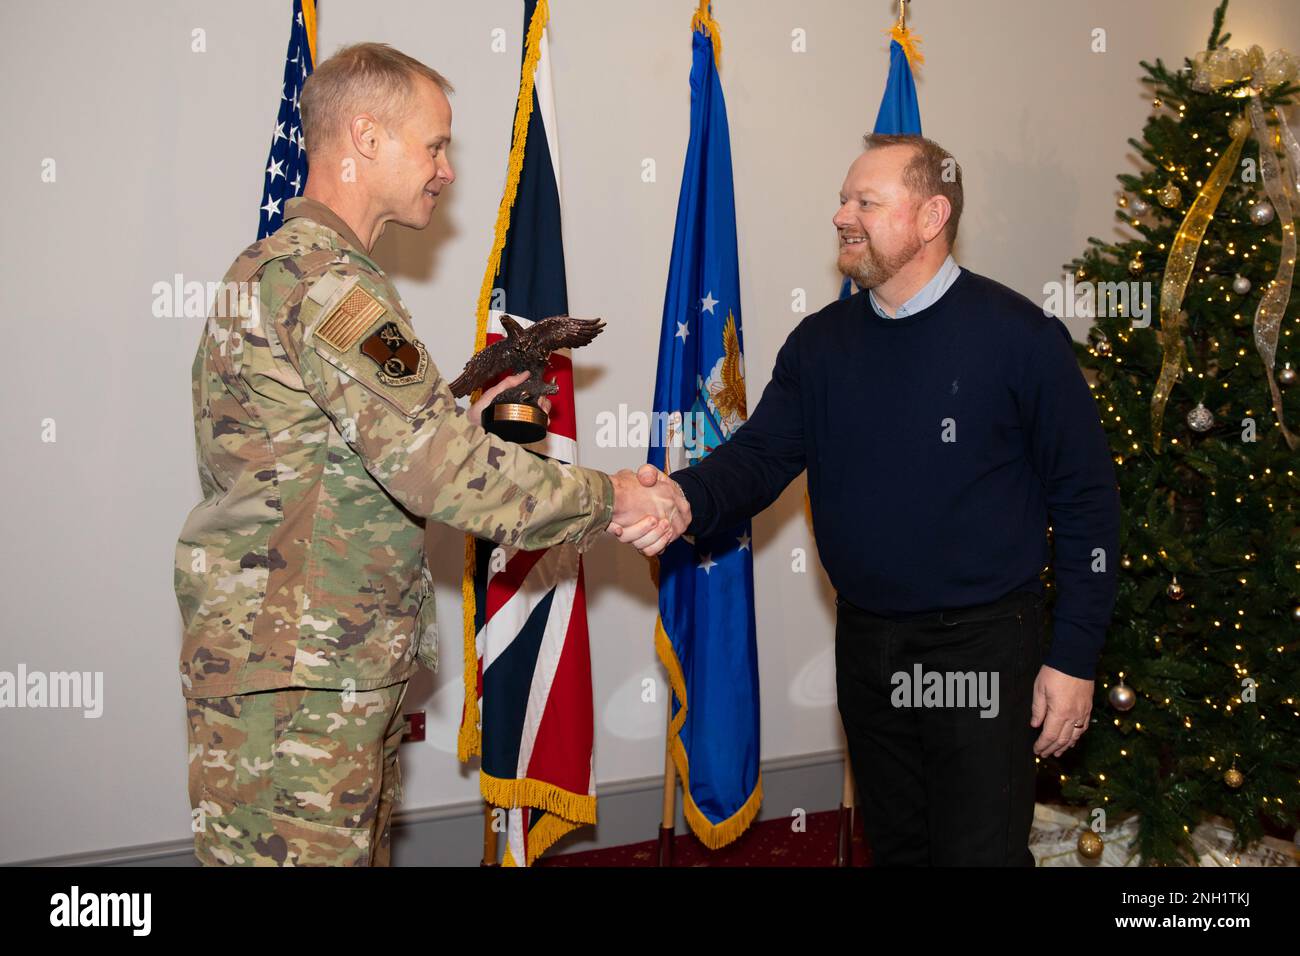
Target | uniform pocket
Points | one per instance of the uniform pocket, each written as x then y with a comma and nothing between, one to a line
308,843
217,739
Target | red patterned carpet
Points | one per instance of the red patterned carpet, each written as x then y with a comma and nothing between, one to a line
767,843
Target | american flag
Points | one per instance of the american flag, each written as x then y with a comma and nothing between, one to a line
286,165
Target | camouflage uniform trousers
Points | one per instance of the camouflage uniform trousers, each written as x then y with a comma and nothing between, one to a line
295,777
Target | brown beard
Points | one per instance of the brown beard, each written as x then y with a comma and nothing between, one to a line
870,270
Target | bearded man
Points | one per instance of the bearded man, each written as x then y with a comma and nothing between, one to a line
944,422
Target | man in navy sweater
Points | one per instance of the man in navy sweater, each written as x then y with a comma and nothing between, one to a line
944,422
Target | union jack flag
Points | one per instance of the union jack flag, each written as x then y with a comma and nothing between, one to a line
528,704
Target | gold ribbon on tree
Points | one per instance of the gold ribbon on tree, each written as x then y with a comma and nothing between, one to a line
1281,190
1178,272
1279,166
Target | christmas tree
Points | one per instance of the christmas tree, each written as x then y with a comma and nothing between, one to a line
1194,349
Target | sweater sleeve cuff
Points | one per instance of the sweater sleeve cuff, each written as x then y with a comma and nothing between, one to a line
1074,650
697,497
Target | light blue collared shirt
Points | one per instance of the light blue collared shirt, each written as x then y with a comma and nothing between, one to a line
930,293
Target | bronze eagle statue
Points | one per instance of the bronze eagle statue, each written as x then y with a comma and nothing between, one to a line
525,349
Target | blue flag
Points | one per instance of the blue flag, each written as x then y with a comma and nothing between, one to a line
705,634
899,111
286,163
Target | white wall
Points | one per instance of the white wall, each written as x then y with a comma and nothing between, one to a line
159,155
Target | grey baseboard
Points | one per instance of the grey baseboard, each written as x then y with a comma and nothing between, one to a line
452,835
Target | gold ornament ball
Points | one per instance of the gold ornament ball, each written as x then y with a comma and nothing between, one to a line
1295,614
1090,845
1122,697
1126,562
1233,778
1135,266
1169,195
1238,126
1175,590
1102,346
1286,375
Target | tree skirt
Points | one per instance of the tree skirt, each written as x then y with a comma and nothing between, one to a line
1055,835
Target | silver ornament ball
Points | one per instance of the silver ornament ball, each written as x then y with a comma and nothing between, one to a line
1122,697
1240,285
1261,214
1286,375
1200,419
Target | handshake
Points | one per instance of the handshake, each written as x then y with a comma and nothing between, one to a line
650,511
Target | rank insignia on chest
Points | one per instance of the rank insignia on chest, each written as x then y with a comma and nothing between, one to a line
401,361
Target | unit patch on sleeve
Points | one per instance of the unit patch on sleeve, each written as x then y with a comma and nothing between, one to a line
348,322
401,361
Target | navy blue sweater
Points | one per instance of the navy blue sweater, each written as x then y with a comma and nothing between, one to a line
938,446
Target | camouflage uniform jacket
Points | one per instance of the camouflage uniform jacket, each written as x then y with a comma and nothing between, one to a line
325,438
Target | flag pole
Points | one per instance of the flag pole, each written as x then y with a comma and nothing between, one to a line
668,821
489,838
844,845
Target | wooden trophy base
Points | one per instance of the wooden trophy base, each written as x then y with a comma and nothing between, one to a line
516,422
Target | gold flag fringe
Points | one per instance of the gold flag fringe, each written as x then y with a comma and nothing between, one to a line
540,839
309,22
712,835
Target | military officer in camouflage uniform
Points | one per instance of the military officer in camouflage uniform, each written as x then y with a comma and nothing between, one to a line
326,438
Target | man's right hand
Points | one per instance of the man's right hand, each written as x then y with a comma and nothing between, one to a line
650,511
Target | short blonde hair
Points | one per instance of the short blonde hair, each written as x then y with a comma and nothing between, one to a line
932,171
360,78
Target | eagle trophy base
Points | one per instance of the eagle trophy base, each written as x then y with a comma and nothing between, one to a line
516,422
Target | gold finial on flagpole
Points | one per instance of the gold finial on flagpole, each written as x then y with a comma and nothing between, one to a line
905,37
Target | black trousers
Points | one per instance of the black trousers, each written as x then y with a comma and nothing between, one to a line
944,766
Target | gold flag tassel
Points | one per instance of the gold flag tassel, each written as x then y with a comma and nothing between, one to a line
1280,185
704,22
1178,271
